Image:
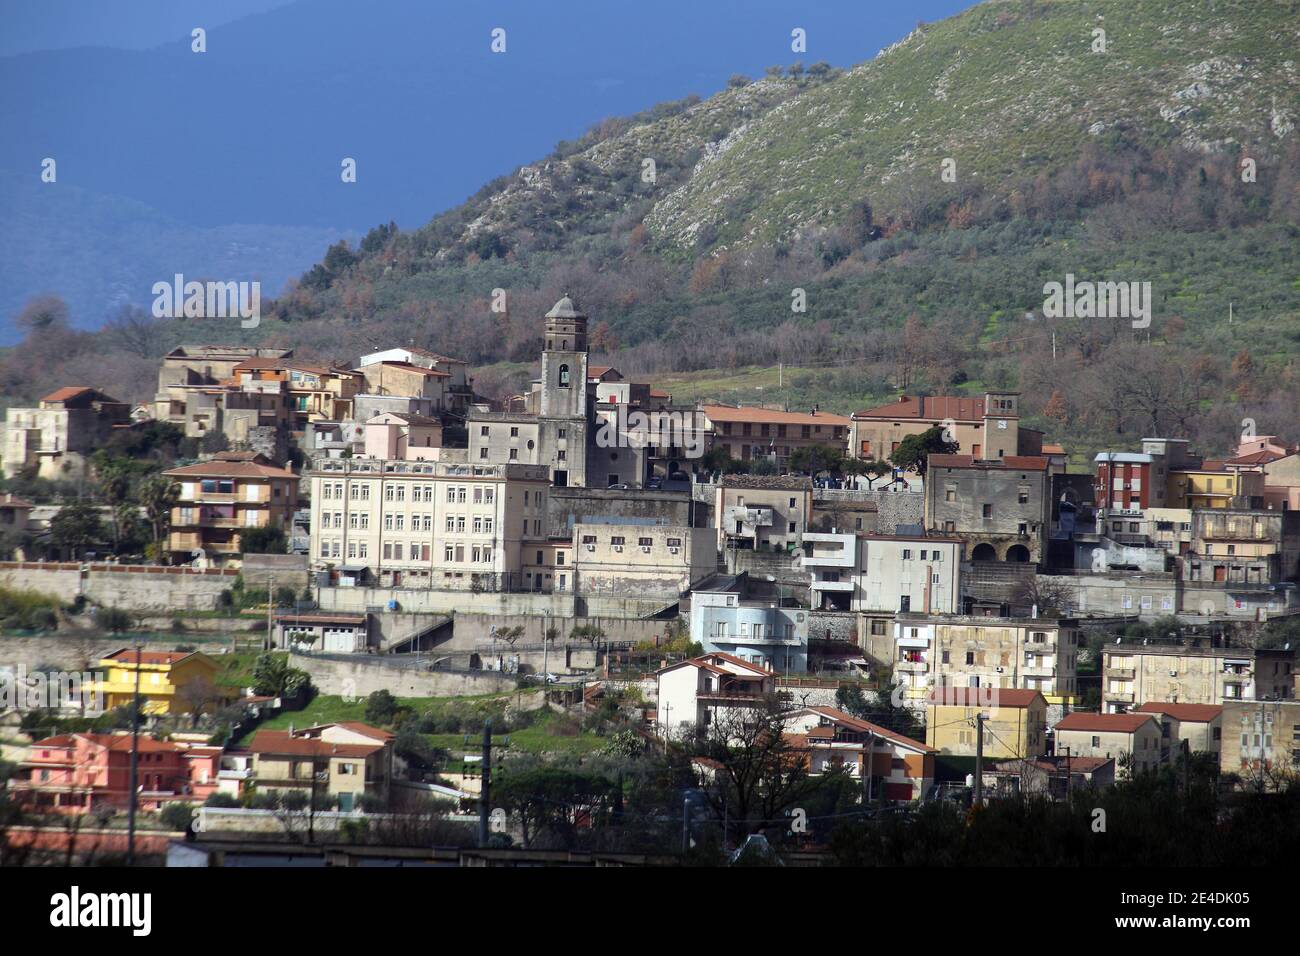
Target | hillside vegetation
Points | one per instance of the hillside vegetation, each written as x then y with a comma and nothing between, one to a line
825,186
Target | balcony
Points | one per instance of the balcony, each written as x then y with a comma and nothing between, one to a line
1039,670
1121,673
844,586
1119,697
912,667
730,697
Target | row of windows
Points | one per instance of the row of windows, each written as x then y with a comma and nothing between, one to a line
393,521
620,540
396,491
410,551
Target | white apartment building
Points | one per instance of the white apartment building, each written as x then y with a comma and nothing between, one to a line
426,524
882,575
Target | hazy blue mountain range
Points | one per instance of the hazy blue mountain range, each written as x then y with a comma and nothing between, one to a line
178,147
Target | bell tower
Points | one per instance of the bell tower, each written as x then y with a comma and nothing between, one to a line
565,414
564,362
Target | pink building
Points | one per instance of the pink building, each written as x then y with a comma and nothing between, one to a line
75,773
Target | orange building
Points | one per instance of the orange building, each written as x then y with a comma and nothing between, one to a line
232,492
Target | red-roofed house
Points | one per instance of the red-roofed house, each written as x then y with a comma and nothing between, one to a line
75,773
902,769
985,428
56,438
751,432
1134,740
221,496
1201,725
343,761
1015,724
709,689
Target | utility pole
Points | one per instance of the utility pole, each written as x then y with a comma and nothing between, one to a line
979,759
1187,769
135,760
867,761
686,825
484,797
270,606
546,653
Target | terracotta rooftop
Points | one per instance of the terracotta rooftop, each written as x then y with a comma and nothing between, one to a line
929,408
11,500
1103,723
729,413
67,392
1185,713
231,464
282,742
866,726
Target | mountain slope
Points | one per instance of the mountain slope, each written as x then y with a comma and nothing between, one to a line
1005,89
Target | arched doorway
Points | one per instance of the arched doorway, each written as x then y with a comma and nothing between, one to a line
1018,554
984,552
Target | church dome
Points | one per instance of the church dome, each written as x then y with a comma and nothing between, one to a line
565,309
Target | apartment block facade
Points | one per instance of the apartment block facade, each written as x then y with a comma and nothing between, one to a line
221,497
941,651
426,524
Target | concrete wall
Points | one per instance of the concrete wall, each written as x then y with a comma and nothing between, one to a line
361,675
472,631
133,587
75,651
428,600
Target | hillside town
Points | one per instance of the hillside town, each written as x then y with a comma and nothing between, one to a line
925,600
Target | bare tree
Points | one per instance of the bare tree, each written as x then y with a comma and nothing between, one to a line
1053,596
758,772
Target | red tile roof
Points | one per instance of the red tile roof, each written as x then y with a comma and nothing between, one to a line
1256,458
282,742
11,500
1184,713
728,413
356,726
225,466
865,726
1104,723
67,392
929,408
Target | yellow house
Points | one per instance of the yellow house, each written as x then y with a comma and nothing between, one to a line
1212,486
170,681
1015,721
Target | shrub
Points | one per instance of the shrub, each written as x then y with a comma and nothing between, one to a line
177,816
224,800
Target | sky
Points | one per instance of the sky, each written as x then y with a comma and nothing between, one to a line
253,131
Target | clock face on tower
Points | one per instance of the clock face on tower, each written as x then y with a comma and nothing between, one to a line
1002,423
